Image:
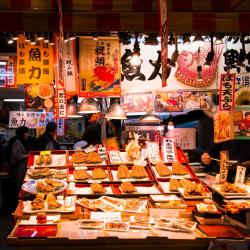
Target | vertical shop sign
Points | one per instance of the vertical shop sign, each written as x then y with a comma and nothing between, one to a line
240,175
227,91
168,149
34,62
66,64
8,72
62,103
100,73
164,41
223,165
60,127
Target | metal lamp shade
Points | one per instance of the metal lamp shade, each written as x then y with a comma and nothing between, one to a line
116,111
72,110
150,117
88,106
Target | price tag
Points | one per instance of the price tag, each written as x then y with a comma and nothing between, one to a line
153,152
114,157
102,152
89,149
223,166
103,216
43,153
240,175
168,150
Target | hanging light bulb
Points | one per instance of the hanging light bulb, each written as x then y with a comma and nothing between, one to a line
10,39
39,36
135,59
170,123
15,36
150,117
27,37
46,37
199,40
210,55
95,37
33,39
218,39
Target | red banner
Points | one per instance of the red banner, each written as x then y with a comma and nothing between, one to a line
227,91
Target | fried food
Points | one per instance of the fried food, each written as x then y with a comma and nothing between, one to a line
81,175
123,172
231,188
39,160
192,189
235,208
38,202
51,201
60,174
47,159
97,188
116,225
162,170
43,188
128,187
178,169
53,183
79,157
138,172
98,174
40,173
94,157
174,185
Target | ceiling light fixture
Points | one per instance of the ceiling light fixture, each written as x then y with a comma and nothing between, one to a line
115,112
15,36
40,36
88,106
13,100
150,117
210,55
27,37
170,123
10,39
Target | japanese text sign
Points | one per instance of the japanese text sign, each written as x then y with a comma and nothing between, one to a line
227,91
102,152
240,175
34,62
29,119
164,41
62,103
153,151
8,72
99,67
168,149
60,127
66,64
114,157
223,166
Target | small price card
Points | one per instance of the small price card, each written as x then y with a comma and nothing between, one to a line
240,175
153,152
114,157
102,152
223,166
168,149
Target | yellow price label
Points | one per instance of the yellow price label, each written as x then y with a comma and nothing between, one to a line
43,153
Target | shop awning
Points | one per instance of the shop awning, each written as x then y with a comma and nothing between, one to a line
125,15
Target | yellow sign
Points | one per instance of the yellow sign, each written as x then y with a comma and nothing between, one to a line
34,62
100,73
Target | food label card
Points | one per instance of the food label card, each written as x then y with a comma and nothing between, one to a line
103,216
223,166
89,149
168,150
240,175
114,157
102,153
153,152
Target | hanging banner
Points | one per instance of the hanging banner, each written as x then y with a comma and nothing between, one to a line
8,71
223,166
99,67
29,119
164,41
39,96
60,127
227,91
34,62
67,65
62,103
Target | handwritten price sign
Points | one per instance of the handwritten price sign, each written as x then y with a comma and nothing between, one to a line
153,152
168,149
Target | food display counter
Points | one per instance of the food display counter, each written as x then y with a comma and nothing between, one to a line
81,200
